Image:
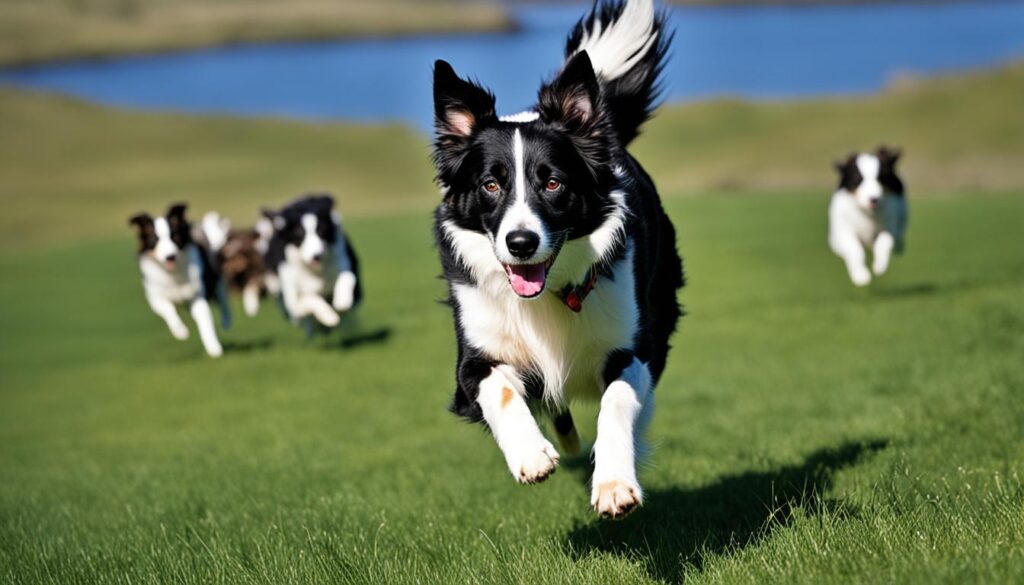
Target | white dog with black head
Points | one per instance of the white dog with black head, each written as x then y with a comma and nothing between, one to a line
179,269
868,213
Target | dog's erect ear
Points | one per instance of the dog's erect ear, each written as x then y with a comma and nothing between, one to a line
843,166
460,106
142,221
888,156
324,201
849,174
177,211
276,219
571,99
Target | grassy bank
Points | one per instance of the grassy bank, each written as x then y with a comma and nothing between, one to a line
33,31
93,166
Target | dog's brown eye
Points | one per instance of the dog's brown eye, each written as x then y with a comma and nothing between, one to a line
491,187
553,184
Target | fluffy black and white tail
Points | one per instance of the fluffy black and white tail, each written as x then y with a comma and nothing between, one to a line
627,44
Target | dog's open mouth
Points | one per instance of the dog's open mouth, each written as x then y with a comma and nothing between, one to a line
527,280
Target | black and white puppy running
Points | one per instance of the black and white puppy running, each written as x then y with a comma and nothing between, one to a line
179,269
561,264
868,212
316,268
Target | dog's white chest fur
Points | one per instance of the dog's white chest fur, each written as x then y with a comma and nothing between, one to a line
180,284
306,279
543,335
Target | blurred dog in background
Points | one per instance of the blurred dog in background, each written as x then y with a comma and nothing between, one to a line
179,267
868,212
313,261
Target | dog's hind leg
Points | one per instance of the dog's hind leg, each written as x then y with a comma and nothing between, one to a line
251,297
223,305
626,408
565,430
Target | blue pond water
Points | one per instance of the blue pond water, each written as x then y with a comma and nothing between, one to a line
756,52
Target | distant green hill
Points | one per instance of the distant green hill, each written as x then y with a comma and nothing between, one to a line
73,169
41,30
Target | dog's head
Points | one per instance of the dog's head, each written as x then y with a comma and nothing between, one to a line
308,227
165,237
240,258
530,182
870,177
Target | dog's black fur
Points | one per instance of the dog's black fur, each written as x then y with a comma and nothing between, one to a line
579,138
288,230
850,177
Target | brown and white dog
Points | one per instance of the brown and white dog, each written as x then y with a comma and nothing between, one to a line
241,261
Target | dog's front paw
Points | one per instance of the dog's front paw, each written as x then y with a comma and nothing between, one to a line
344,292
534,464
214,350
179,331
342,301
616,498
861,276
879,267
327,317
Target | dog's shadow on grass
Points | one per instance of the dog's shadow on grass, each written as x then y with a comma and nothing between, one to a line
360,338
677,529
249,346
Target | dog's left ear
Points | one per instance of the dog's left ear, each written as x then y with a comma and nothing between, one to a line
571,99
888,156
177,211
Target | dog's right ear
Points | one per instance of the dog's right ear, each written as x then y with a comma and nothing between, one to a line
276,219
460,106
140,221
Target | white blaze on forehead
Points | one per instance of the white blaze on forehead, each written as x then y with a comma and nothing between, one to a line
163,230
521,118
165,246
309,223
520,171
868,165
312,246
519,216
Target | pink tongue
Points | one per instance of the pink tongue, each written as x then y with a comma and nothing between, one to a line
526,279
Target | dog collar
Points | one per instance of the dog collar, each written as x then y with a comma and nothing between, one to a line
573,295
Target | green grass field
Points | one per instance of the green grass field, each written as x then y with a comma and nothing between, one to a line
807,431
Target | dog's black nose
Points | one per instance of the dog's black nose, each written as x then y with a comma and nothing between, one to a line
171,258
522,243
317,257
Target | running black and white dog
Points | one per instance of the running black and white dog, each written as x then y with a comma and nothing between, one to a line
316,268
179,268
868,212
561,264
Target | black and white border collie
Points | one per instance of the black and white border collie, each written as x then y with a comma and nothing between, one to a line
179,269
868,212
317,270
561,264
